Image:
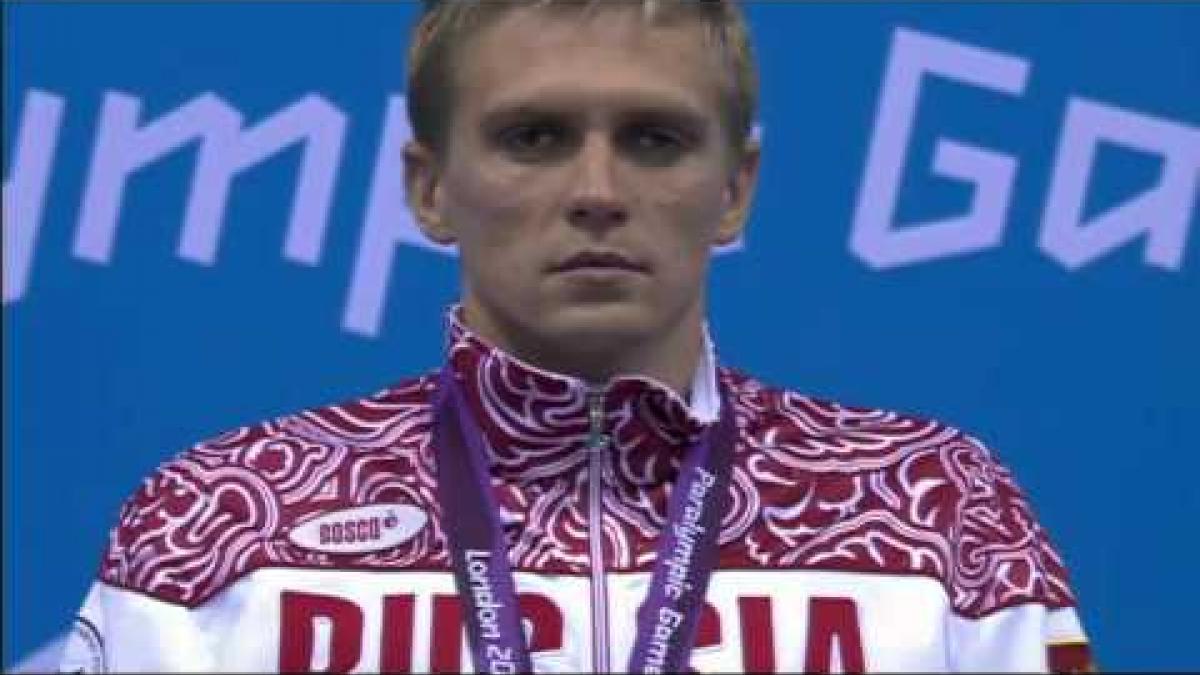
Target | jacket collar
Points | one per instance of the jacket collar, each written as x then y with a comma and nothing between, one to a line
537,422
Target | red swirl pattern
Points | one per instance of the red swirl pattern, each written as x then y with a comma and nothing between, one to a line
815,485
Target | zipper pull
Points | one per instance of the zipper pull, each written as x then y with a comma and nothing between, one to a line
597,439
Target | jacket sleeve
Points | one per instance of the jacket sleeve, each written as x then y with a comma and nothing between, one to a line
157,603
1029,638
120,630
1014,608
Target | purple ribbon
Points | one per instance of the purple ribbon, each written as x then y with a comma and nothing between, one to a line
687,554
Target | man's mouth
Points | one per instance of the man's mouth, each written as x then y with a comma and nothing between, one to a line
599,261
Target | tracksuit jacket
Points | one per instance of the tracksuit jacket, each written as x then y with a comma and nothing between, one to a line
854,539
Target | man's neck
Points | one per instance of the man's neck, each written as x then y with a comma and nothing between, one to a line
670,357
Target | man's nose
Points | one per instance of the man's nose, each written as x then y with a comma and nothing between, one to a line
596,201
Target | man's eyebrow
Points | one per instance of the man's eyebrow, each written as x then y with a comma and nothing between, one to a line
667,110
521,110
671,115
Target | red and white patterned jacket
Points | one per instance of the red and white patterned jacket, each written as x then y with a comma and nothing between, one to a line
855,539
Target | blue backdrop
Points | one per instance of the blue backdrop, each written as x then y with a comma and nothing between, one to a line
985,214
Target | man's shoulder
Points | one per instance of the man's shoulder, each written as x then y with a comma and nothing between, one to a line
821,437
892,493
389,421
835,434
256,496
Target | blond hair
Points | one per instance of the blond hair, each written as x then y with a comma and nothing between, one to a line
445,26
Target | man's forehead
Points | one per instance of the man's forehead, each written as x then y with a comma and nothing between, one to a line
613,58
564,21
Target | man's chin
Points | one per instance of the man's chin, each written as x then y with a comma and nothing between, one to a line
599,325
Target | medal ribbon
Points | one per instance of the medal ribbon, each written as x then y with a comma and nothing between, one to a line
687,553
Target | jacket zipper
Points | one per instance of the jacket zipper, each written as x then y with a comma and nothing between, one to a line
597,444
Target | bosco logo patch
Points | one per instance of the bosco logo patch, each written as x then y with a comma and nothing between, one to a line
360,529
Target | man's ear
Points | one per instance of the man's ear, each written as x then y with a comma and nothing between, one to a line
739,194
423,189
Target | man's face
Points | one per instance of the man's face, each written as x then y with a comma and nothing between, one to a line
586,175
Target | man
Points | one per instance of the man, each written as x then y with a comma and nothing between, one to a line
581,487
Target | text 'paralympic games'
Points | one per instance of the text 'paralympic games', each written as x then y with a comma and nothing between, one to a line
125,145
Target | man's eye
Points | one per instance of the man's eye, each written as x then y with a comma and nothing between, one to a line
656,138
532,138
656,144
